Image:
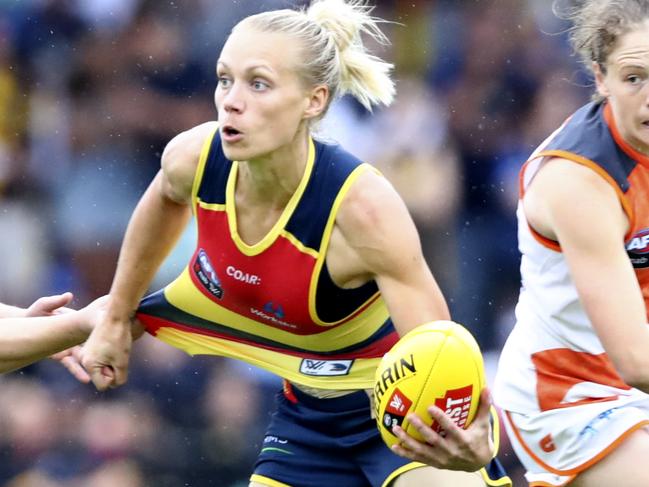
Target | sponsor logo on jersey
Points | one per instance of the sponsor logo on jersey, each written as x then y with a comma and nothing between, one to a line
207,275
275,439
325,367
275,444
273,313
396,410
277,311
592,428
637,249
456,404
239,275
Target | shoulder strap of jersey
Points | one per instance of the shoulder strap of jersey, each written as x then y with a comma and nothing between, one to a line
212,173
586,138
331,175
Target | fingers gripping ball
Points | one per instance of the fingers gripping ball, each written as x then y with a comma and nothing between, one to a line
437,363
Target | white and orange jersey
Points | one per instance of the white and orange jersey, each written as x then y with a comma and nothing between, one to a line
565,406
553,357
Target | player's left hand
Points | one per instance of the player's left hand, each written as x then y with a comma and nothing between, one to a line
459,449
49,305
71,360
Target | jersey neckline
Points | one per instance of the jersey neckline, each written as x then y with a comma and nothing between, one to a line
268,239
619,140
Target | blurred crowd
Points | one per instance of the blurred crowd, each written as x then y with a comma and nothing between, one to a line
90,93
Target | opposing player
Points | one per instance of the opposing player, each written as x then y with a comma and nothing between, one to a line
46,329
302,250
574,374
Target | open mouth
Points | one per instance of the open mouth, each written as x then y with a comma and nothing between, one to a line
230,131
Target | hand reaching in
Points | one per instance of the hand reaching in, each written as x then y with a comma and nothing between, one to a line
49,305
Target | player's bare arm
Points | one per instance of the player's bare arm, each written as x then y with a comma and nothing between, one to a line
578,208
382,243
27,339
24,353
7,311
43,306
379,233
156,224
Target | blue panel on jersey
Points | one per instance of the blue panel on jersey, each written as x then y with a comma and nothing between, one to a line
588,135
334,303
332,167
215,174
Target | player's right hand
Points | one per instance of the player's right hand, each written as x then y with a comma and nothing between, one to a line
105,355
458,449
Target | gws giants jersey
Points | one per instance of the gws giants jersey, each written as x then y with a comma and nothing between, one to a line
273,304
553,357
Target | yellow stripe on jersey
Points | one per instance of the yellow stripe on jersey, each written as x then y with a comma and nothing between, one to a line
260,479
324,244
183,294
210,206
299,245
280,363
274,232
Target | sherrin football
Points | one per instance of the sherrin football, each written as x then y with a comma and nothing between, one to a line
436,363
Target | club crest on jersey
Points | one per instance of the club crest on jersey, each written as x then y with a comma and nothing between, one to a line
637,249
207,275
325,367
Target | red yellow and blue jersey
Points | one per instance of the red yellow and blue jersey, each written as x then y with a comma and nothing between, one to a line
273,304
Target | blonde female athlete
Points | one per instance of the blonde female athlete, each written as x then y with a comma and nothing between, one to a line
574,374
302,250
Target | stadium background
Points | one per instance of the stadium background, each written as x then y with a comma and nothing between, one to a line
90,92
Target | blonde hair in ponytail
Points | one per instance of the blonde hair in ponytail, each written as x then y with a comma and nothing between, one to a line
333,53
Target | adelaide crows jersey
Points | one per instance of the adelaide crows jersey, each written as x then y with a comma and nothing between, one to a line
273,304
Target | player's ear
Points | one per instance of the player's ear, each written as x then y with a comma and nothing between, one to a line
600,80
316,101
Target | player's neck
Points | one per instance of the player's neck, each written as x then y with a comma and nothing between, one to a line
273,179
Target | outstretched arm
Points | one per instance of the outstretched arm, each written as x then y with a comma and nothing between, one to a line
42,332
7,311
156,224
44,306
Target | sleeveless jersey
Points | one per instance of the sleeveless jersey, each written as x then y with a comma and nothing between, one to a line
553,357
273,304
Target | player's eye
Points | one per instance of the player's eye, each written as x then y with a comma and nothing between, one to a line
224,82
633,79
259,85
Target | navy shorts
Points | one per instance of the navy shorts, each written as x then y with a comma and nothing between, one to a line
313,442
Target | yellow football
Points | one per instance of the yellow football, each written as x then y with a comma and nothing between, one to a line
437,363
